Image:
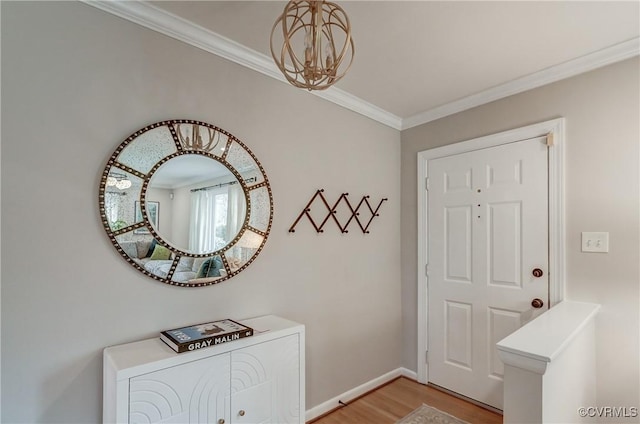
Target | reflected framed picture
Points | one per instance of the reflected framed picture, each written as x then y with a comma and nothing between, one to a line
153,210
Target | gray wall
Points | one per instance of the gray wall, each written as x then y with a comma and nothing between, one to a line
602,111
75,82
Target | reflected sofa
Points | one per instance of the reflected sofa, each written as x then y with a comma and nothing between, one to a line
153,259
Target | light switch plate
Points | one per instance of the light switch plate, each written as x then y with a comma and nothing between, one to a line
595,242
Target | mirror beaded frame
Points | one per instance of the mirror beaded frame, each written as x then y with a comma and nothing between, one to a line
184,146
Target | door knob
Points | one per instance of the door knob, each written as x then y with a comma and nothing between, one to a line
537,303
241,413
537,273
221,421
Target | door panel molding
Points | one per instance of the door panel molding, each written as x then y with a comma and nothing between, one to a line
555,129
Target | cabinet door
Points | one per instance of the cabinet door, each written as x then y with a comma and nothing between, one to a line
265,383
195,392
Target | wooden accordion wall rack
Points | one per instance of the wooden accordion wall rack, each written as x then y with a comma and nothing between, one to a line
332,212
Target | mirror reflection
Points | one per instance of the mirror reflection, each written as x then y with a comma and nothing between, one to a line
202,204
121,191
172,204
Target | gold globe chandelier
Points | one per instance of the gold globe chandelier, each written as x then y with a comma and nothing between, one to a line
316,45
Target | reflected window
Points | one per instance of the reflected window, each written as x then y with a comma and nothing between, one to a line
217,215
114,210
209,224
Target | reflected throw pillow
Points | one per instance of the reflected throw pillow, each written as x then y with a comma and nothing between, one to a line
210,268
151,248
160,253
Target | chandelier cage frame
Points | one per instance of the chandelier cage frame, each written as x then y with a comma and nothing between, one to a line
317,23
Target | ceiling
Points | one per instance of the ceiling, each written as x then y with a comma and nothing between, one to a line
188,170
419,60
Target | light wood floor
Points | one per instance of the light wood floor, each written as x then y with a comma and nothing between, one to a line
393,401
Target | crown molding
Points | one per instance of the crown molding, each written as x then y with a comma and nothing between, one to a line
159,20
589,62
149,16
356,104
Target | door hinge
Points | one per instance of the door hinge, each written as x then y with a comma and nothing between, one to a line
426,183
426,356
550,140
426,270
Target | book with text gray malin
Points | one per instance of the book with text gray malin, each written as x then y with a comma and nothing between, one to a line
203,335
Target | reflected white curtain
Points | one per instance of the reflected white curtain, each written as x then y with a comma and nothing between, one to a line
235,211
202,222
113,206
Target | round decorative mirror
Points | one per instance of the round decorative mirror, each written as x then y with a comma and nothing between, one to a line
186,203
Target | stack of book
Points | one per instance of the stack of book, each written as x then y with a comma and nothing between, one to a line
208,334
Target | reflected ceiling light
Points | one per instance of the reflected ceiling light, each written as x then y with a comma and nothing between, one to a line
123,184
316,45
119,181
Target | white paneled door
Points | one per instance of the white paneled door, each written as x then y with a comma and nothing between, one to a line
488,260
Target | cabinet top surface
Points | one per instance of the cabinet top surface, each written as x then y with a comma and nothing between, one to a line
153,351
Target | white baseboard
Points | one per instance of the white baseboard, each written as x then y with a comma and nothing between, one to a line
409,374
349,395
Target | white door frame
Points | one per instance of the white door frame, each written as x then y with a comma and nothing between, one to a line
553,128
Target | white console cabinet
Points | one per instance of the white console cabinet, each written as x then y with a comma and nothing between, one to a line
257,379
